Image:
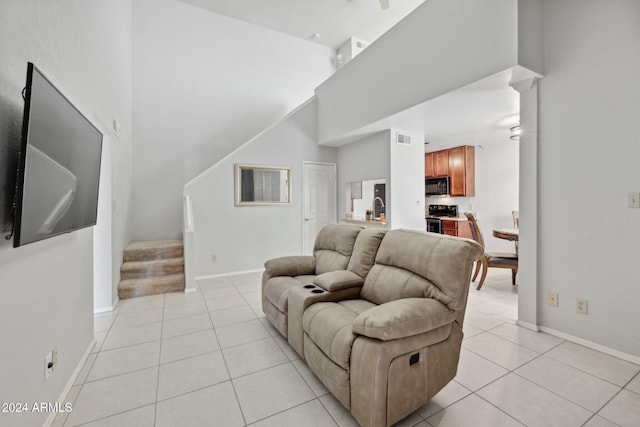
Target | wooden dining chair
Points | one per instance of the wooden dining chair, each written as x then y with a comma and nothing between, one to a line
491,259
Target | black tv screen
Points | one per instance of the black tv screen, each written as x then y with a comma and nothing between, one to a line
59,168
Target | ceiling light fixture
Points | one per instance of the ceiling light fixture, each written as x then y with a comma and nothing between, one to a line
515,132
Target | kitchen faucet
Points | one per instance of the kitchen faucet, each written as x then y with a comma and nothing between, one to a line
374,204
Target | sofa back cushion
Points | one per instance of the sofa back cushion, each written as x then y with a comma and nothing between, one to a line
415,264
364,251
333,247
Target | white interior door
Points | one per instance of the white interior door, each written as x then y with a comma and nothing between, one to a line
319,200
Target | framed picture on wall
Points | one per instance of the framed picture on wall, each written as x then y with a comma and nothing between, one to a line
262,185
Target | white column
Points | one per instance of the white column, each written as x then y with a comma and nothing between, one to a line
528,204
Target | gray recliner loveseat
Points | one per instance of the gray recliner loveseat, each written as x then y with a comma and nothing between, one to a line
384,335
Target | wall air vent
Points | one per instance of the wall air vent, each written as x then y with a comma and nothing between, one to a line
403,139
361,45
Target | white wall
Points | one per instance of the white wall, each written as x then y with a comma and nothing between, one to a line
497,172
588,241
104,286
47,296
432,51
360,206
204,84
363,160
406,204
401,166
244,237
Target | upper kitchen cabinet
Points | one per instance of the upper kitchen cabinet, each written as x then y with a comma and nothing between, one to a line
458,164
436,164
428,165
462,171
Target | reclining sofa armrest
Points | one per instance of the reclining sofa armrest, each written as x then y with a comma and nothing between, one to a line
338,280
402,318
290,266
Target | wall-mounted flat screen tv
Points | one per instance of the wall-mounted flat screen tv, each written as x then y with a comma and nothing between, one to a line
59,168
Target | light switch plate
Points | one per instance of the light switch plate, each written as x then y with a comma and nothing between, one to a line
633,200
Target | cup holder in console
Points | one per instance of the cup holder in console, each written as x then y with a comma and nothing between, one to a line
308,286
317,291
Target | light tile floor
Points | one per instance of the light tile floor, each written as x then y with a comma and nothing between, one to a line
210,358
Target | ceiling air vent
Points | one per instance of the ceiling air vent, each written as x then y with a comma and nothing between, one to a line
403,139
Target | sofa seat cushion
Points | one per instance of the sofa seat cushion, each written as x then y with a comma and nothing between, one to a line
330,326
277,288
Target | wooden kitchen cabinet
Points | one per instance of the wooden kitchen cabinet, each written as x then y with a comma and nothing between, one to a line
462,171
436,164
441,163
456,228
450,227
428,165
459,164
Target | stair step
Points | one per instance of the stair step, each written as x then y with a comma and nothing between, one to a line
149,250
151,286
158,267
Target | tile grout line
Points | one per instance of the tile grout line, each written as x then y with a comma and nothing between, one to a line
589,373
90,368
155,412
224,360
593,413
509,371
287,409
538,355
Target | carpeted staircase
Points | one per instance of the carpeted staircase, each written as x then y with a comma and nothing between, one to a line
152,267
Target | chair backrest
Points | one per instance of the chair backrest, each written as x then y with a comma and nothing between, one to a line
364,251
416,264
516,218
475,230
333,246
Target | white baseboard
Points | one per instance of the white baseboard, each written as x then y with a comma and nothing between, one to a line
527,325
105,309
65,391
102,309
235,273
592,345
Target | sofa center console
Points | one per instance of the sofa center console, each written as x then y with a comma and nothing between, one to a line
301,297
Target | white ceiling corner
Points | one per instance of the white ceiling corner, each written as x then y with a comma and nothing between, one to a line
480,113
334,20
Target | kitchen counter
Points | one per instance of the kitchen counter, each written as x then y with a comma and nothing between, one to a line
449,218
365,223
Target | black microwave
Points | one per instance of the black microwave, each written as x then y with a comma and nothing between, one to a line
436,186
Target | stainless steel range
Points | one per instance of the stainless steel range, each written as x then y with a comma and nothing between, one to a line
436,212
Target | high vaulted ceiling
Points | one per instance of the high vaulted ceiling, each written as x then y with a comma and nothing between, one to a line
480,113
333,20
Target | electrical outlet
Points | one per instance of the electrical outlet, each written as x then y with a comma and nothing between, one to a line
552,298
214,258
582,306
633,200
50,362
